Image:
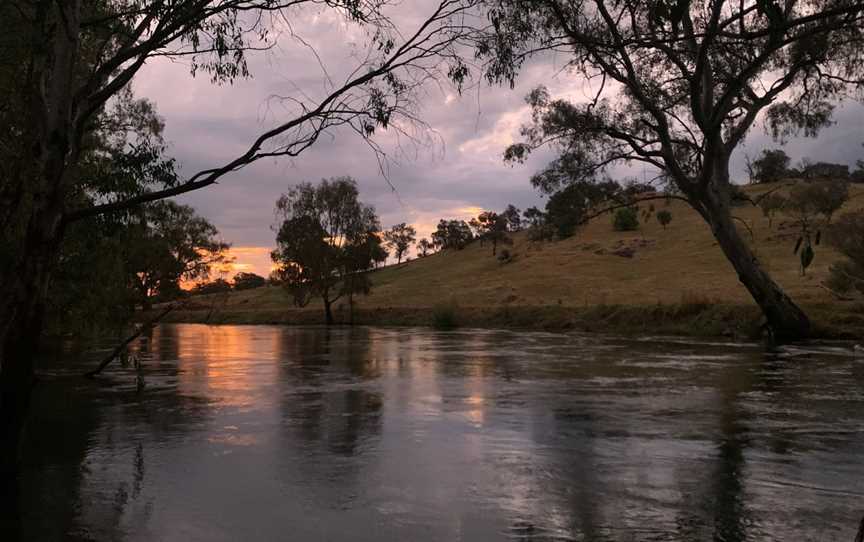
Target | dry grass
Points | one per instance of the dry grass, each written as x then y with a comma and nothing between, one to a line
681,266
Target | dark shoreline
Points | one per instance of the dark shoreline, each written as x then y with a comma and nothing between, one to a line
739,322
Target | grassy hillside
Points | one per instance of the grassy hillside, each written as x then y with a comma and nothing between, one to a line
581,279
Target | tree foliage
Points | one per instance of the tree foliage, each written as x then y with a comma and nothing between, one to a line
492,227
812,205
170,243
664,217
626,219
771,165
399,239
452,234
424,247
847,236
326,238
248,281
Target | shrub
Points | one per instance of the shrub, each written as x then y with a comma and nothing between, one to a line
664,217
626,219
444,316
248,281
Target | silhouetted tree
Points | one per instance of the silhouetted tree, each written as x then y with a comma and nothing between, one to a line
325,235
452,234
689,81
248,281
216,286
399,239
424,247
170,244
511,215
493,228
772,165
361,255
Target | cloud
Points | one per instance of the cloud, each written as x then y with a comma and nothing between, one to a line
459,169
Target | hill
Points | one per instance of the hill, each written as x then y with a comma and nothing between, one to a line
672,280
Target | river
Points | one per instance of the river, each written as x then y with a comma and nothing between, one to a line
395,434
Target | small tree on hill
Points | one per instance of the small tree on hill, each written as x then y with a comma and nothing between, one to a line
248,281
424,247
772,165
219,285
626,219
511,215
452,234
492,227
400,238
664,217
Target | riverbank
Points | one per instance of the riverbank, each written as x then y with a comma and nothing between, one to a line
694,319
672,280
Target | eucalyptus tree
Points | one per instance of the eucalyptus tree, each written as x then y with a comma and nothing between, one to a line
168,244
399,239
326,237
452,234
424,247
493,227
62,64
676,87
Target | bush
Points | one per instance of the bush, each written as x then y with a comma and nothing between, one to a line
664,217
444,316
626,219
248,281
217,286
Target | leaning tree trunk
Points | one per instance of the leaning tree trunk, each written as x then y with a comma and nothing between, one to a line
785,319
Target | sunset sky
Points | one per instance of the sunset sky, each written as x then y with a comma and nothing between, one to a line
456,174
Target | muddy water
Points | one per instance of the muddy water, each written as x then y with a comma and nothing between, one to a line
308,434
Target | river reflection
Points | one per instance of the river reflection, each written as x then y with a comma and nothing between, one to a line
278,433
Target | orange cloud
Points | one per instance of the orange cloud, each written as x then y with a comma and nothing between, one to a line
248,259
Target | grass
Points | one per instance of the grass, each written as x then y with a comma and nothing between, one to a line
676,281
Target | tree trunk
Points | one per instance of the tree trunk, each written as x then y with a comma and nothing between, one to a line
785,319
51,146
328,312
19,343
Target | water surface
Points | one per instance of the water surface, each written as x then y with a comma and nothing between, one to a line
365,434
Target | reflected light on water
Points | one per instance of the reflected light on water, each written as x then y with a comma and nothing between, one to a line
364,434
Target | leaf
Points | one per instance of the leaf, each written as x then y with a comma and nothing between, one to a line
798,245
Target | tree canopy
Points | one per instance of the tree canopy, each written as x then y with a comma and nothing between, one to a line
399,239
325,235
